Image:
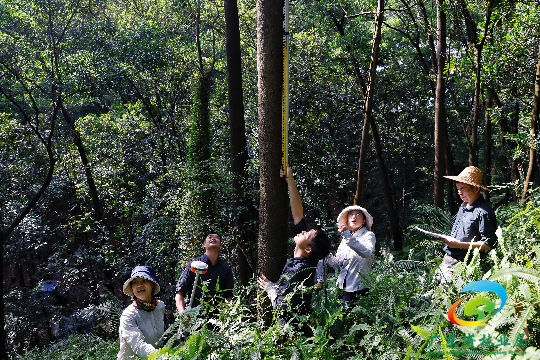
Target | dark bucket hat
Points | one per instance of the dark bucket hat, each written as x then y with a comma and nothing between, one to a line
145,272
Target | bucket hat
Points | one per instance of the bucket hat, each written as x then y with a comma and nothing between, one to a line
342,218
145,272
470,175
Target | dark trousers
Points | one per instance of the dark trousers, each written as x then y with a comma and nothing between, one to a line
349,296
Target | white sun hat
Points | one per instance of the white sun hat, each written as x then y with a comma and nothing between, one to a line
342,218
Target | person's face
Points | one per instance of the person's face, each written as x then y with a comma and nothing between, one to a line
355,219
142,289
467,193
212,241
303,241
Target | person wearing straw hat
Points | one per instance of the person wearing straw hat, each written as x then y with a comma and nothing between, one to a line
141,323
475,222
218,277
355,252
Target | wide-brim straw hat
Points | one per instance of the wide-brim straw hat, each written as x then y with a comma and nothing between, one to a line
470,175
342,218
145,272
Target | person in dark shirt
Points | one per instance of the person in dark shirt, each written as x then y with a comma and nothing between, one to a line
218,278
475,223
311,246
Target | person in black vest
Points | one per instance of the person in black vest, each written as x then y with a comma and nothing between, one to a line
311,246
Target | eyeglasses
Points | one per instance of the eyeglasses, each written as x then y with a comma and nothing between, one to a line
351,214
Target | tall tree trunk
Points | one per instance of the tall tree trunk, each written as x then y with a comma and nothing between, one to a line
440,111
273,214
5,234
477,48
58,85
393,216
450,171
76,136
390,204
515,162
438,58
239,155
362,162
365,130
473,150
487,146
368,92
534,129
508,145
362,96
198,173
47,143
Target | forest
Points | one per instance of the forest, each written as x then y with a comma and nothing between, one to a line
129,129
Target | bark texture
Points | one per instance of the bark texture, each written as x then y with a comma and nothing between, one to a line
237,126
487,147
476,46
440,110
273,214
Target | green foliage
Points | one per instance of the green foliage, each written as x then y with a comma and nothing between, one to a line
78,347
158,149
402,316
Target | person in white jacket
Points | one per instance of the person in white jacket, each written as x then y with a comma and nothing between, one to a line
142,323
355,252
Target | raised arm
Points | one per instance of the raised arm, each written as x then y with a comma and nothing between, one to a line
362,249
294,197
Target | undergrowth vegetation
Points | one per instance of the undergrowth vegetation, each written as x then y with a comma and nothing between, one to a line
404,315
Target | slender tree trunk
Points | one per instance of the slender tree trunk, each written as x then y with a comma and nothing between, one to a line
429,36
515,162
273,214
5,234
507,145
47,144
76,136
199,175
477,48
390,203
57,96
440,111
362,162
365,130
450,171
441,137
368,120
487,147
534,129
239,155
473,151
393,216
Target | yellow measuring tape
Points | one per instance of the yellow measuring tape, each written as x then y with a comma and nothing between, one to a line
285,89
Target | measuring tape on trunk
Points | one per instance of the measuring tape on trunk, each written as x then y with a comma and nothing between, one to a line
285,88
